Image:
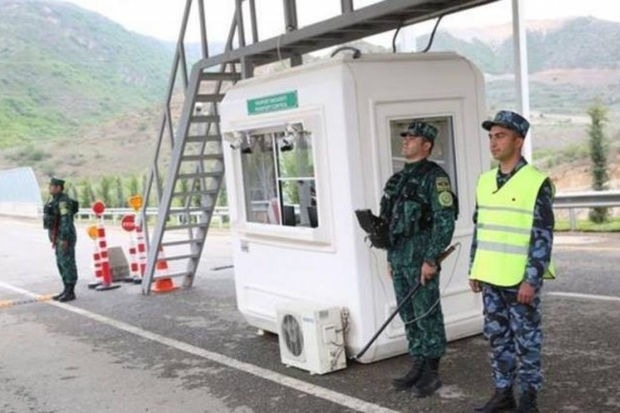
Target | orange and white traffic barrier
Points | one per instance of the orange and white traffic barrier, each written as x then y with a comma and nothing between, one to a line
141,252
163,283
106,273
128,223
135,202
97,271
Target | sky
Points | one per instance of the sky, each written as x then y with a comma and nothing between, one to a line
162,18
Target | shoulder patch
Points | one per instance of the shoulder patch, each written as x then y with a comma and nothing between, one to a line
63,206
442,183
445,199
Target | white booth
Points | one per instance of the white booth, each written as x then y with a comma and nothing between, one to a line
308,146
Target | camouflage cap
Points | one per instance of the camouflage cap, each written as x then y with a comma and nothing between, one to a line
57,181
510,120
417,128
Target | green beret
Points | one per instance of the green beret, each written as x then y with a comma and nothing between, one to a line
57,182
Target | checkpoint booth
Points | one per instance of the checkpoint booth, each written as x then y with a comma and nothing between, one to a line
308,146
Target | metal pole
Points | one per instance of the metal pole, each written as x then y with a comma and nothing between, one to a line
521,70
346,6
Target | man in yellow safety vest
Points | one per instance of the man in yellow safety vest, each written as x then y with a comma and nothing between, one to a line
510,256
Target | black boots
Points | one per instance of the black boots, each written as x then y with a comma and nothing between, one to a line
60,294
429,382
69,294
527,402
502,400
413,375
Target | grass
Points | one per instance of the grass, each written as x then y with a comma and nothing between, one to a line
585,225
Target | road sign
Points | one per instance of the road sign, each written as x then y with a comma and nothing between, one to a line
128,222
98,207
135,202
92,231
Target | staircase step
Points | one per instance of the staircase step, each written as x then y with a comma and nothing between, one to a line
205,118
181,242
190,210
203,157
216,174
203,138
224,76
180,257
210,97
189,225
195,192
171,275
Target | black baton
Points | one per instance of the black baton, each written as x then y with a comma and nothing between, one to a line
411,292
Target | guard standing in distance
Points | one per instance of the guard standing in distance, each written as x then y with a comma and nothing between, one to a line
510,256
420,209
58,215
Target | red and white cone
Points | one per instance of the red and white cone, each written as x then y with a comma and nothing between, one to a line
163,284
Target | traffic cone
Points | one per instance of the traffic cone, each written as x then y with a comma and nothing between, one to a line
163,284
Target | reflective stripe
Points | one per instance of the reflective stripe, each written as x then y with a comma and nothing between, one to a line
504,209
502,248
505,218
503,228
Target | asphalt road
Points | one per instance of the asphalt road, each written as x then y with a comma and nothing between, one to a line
191,351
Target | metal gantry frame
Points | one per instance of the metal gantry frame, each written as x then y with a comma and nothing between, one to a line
188,169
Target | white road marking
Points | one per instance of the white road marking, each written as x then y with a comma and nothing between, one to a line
299,385
586,296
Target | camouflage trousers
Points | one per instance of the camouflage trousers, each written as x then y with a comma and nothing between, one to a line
65,261
514,333
422,315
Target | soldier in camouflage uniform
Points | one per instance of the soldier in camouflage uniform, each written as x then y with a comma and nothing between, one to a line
420,208
510,256
58,215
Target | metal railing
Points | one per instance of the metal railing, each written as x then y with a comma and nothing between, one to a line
116,214
586,199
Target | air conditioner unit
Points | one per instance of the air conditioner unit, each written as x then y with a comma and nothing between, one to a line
311,337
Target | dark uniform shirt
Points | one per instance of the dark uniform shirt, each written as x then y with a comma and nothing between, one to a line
420,208
61,226
541,239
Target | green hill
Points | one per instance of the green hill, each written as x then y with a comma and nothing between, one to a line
571,65
81,96
63,68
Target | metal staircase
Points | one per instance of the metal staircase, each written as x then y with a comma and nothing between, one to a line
188,169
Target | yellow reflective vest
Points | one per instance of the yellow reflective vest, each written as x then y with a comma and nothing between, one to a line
504,226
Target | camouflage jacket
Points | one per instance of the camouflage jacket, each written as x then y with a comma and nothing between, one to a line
421,210
58,218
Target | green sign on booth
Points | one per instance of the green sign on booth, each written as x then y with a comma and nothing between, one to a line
273,103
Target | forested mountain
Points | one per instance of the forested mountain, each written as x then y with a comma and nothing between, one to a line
580,43
80,95
62,67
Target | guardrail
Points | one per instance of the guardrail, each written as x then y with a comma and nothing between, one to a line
116,214
585,199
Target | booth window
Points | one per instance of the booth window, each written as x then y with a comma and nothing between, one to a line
278,176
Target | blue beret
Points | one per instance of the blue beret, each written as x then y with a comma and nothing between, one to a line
510,120
417,128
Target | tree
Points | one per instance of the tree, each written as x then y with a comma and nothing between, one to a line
598,156
105,188
120,193
86,196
